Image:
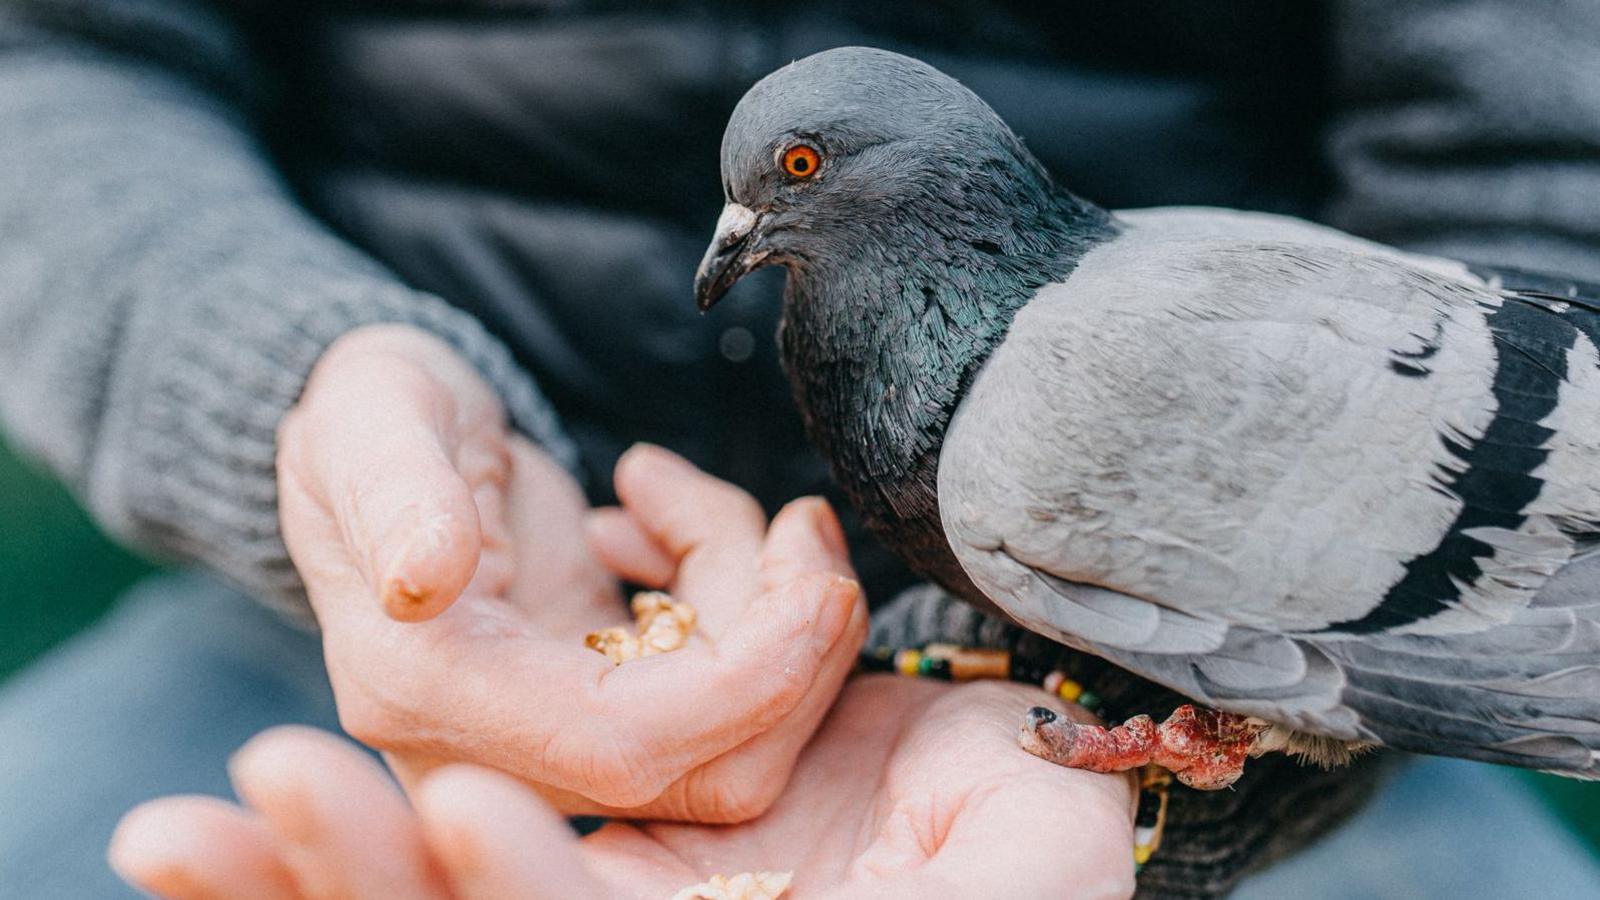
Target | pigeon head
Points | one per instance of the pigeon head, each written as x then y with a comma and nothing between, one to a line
851,153
914,225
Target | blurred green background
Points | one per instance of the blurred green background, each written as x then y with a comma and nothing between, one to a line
58,573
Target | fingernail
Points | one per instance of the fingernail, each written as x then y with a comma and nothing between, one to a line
400,592
413,577
838,604
401,598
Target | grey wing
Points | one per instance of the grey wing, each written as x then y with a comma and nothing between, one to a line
1298,482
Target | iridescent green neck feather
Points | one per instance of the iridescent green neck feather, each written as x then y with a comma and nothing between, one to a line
882,339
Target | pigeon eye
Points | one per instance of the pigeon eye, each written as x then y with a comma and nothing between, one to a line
801,161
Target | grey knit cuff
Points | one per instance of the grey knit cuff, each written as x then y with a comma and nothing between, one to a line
1213,838
197,480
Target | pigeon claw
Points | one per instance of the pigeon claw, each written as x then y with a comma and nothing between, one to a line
1060,740
1204,748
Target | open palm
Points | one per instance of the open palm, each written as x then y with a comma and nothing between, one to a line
447,563
911,788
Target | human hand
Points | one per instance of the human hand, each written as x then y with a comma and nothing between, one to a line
911,788
446,561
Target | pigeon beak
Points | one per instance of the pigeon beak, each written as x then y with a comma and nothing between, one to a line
729,257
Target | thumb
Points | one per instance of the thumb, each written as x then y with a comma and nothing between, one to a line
373,436
415,522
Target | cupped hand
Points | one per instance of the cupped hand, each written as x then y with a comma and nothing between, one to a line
447,564
911,788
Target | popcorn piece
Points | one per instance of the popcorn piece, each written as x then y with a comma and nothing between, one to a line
616,643
663,626
743,886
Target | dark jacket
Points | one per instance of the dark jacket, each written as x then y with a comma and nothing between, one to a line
554,172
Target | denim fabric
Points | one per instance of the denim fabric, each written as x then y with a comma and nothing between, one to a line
151,701
1443,829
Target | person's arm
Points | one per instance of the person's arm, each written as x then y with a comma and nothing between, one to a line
1470,130
222,378
1212,838
162,296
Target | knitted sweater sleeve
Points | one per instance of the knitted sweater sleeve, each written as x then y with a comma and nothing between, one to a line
162,297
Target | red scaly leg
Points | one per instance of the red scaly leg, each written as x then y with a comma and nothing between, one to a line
1204,748
1127,746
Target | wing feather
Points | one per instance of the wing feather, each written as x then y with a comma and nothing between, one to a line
1310,483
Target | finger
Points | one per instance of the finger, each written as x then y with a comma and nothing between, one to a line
804,543
495,839
805,546
347,830
692,709
563,587
497,549
562,715
681,507
199,848
627,550
711,528
375,445
805,539
620,736
753,775
410,768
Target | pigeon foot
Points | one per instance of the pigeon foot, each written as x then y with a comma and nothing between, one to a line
1204,748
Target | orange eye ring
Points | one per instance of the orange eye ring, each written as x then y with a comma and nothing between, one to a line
801,161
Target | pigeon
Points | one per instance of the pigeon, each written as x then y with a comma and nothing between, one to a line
1338,494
